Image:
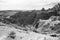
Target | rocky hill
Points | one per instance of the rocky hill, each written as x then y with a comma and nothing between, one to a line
30,25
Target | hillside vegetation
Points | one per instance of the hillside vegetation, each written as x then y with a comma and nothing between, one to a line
32,19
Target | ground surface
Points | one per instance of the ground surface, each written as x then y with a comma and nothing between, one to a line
21,34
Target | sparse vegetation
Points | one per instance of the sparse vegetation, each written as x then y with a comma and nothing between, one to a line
25,18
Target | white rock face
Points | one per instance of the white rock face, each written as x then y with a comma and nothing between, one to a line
46,25
22,35
34,36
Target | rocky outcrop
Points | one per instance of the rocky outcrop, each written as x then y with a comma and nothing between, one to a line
52,25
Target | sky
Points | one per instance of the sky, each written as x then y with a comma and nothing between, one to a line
26,4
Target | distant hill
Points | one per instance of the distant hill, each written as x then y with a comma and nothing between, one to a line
8,12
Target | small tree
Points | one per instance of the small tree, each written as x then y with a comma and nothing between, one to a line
43,9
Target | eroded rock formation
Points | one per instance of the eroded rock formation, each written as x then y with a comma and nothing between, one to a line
51,25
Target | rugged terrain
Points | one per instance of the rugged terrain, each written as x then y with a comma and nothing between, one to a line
30,25
11,33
